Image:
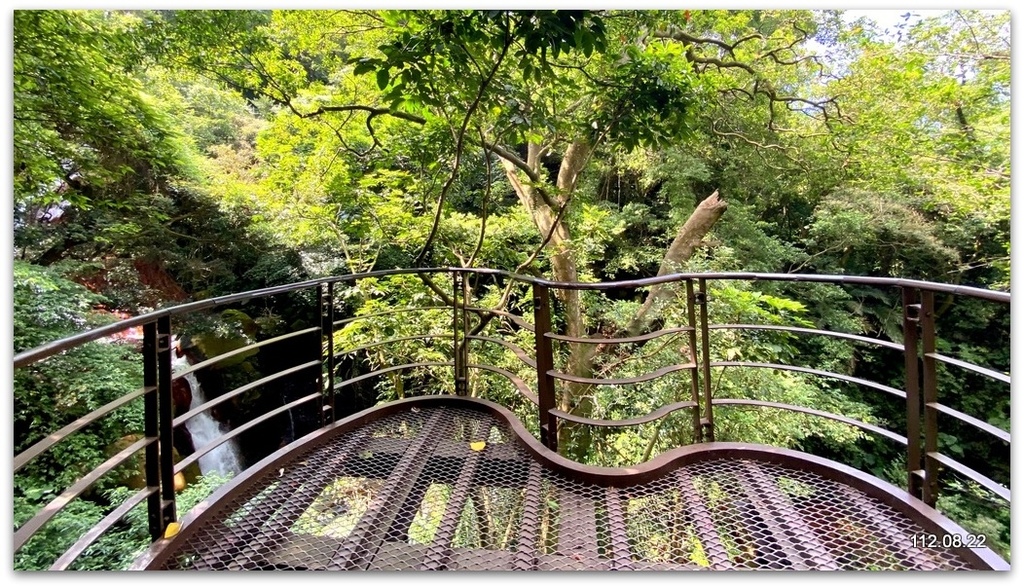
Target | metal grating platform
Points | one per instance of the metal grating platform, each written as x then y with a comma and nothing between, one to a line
430,487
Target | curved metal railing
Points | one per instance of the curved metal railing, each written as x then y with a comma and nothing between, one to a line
534,379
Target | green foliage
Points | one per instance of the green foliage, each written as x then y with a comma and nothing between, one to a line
937,142
47,306
56,537
81,120
66,387
451,45
874,235
650,98
58,391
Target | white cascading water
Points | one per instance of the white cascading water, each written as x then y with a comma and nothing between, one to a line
223,459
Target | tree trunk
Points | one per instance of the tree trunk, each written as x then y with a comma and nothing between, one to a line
563,266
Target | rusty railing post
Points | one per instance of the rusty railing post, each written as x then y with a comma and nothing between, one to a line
931,415
168,508
331,365
464,349
691,316
708,422
545,364
458,341
325,304
911,318
151,418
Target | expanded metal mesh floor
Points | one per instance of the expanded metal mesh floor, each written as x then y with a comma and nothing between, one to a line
454,488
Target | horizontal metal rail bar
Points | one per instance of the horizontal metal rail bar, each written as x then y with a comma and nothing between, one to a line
518,320
53,438
989,484
516,380
651,416
623,381
636,339
198,453
43,351
393,368
820,413
27,530
970,367
404,309
387,341
993,295
101,527
834,334
515,318
177,422
520,353
982,293
978,423
805,370
227,354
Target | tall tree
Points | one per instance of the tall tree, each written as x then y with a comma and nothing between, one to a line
545,92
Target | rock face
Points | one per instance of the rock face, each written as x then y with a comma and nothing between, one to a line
181,396
155,277
132,474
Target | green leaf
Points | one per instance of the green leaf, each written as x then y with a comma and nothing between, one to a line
383,77
364,65
587,43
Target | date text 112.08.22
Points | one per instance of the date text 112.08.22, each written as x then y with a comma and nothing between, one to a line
948,540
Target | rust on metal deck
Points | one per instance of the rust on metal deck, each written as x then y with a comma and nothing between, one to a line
445,483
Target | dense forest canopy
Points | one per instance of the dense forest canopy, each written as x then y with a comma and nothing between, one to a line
168,156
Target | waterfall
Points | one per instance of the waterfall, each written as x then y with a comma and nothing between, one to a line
204,429
223,459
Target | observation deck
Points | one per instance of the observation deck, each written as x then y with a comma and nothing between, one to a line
436,483
449,481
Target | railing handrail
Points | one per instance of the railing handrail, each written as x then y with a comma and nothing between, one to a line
40,352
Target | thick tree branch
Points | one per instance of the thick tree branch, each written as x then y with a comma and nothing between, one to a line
373,111
773,54
694,58
514,159
533,256
746,139
575,159
679,35
828,108
682,248
429,283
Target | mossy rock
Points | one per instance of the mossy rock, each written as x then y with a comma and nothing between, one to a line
212,345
